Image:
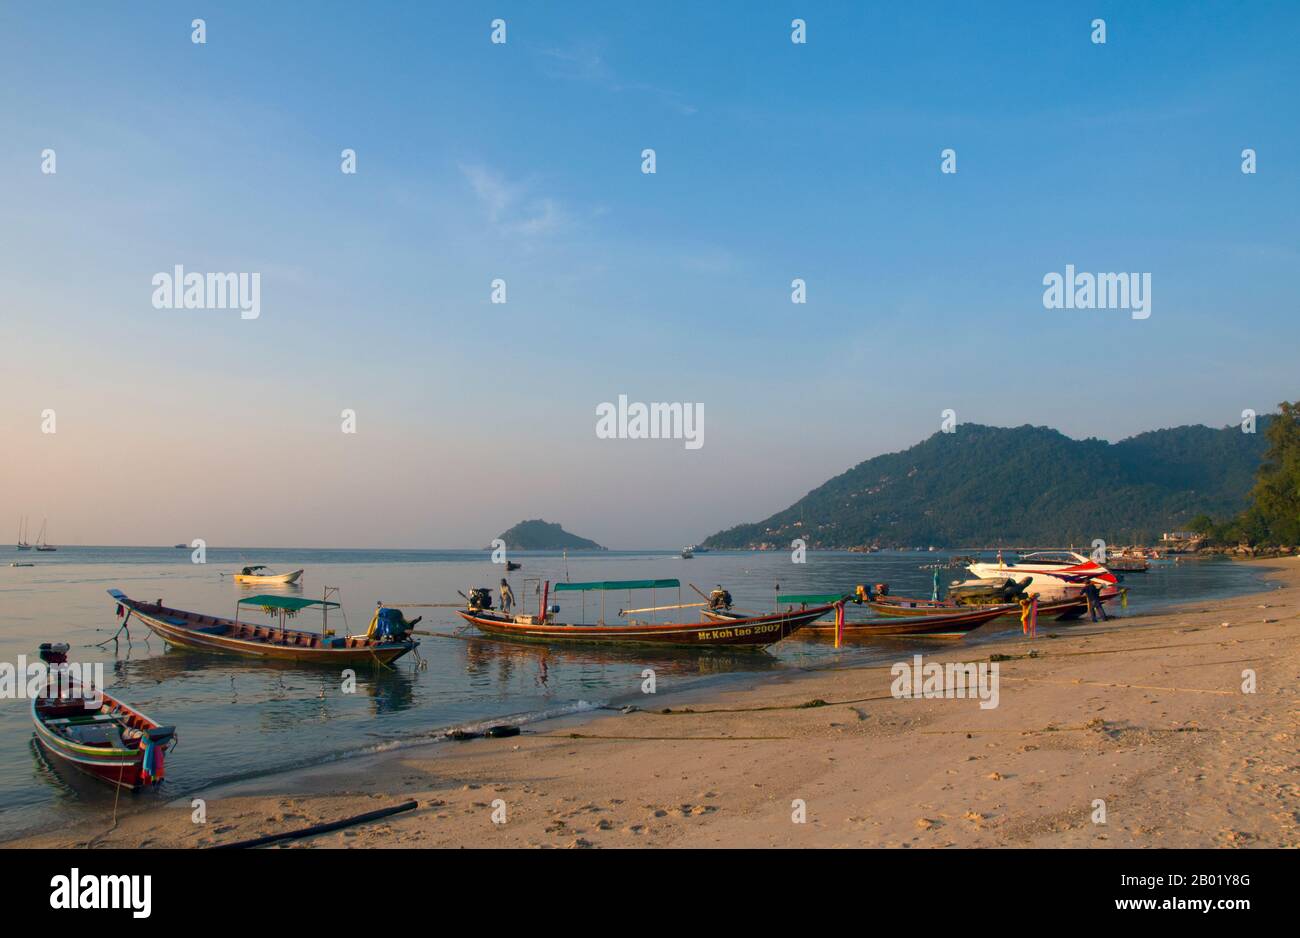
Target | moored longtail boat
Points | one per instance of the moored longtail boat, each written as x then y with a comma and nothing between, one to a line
388,639
953,624
102,736
906,607
756,631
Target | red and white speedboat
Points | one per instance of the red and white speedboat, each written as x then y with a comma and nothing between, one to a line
1053,572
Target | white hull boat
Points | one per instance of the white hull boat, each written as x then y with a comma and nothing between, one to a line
1051,572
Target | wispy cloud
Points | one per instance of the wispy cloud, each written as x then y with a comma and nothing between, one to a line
511,207
587,64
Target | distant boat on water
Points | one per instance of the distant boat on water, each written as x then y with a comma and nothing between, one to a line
40,540
22,534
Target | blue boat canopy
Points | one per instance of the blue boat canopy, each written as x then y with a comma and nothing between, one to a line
620,585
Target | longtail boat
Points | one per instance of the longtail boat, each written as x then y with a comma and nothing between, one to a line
757,631
902,606
950,625
100,736
387,639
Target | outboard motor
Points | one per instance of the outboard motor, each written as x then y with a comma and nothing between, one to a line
391,625
480,598
54,652
720,599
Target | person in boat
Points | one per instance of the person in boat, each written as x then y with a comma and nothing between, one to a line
507,597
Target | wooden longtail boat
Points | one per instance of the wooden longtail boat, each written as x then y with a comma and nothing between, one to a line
950,625
104,738
230,636
746,631
902,606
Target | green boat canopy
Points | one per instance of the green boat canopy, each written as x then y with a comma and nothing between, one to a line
292,603
816,599
620,585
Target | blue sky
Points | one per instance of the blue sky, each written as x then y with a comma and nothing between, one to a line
522,161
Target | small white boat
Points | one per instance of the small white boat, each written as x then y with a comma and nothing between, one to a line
251,576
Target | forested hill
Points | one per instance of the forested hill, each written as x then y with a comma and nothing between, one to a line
545,535
1024,485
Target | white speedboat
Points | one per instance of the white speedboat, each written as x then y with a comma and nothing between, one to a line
1050,571
253,577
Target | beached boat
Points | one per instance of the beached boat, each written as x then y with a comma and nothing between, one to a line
1049,571
907,607
250,577
387,640
104,737
757,631
940,625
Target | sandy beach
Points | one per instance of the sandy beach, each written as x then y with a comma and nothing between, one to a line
1145,713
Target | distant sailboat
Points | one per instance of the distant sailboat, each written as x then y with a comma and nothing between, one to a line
40,539
22,534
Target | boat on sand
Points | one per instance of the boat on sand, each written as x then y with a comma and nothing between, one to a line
946,624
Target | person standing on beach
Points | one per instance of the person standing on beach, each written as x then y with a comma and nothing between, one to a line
1091,594
507,597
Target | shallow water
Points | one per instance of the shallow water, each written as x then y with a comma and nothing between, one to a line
238,718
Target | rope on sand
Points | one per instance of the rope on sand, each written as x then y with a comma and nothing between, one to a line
671,739
318,828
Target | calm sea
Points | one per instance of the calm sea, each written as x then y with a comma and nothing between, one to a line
239,718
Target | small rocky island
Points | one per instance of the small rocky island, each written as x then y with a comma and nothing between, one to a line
543,535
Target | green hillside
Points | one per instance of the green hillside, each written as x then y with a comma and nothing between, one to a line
1023,485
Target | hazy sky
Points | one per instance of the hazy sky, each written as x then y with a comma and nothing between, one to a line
522,161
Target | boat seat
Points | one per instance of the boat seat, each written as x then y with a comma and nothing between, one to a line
173,620
79,720
97,735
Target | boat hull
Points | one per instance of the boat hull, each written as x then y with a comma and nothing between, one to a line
948,625
746,632
200,633
122,768
904,607
256,580
1047,579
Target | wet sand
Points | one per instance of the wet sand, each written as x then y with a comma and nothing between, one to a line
1145,713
